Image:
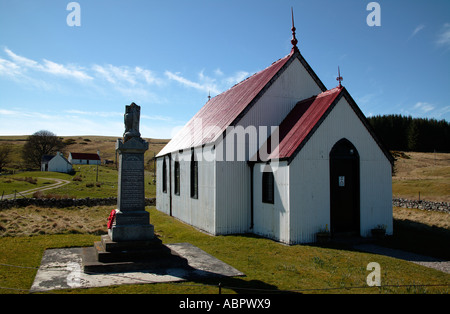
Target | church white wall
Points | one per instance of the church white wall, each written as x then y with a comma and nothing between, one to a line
232,197
199,212
272,220
309,173
162,198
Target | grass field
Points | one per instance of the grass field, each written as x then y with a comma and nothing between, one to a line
268,265
87,181
424,173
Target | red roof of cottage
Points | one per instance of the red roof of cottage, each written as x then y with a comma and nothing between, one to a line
221,111
85,156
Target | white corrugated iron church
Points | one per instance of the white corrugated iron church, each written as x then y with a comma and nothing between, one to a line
280,156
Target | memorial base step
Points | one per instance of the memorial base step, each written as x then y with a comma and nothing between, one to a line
109,256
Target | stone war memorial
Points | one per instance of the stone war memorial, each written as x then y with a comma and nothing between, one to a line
130,246
130,242
130,221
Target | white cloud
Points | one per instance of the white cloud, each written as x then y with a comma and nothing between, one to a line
22,64
125,75
69,71
444,36
22,60
17,122
133,83
104,114
111,114
206,87
417,30
237,77
440,113
8,112
424,107
114,74
148,75
208,84
156,118
9,68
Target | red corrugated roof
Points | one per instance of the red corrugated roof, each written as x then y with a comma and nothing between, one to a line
86,156
221,111
298,124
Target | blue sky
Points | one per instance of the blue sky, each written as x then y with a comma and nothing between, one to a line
167,56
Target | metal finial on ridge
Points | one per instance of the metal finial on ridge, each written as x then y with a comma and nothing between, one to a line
294,40
339,78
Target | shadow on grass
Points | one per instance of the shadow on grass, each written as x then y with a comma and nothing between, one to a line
408,236
420,239
240,285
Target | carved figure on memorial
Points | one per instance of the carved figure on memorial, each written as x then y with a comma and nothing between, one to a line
131,120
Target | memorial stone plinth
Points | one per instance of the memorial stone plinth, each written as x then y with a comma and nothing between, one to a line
131,219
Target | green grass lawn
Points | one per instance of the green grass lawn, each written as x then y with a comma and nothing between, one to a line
269,266
86,182
429,189
11,184
431,181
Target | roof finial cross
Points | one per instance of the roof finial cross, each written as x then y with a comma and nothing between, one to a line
339,78
294,40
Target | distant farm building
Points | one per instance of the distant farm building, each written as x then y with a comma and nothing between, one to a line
281,156
55,163
85,158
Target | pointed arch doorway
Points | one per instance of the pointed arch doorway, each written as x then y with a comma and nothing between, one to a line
344,188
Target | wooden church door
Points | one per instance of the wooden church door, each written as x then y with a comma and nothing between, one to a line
344,188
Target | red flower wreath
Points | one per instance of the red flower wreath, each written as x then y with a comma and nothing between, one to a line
111,218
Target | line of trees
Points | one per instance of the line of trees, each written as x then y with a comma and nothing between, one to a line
405,133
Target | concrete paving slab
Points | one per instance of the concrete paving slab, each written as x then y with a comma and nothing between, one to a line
62,269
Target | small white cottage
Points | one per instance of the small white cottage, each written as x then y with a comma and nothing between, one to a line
280,156
57,163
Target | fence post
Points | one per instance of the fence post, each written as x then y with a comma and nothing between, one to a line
21,194
220,288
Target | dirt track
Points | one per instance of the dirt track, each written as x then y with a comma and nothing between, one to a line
58,183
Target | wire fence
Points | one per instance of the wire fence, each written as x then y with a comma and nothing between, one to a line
220,287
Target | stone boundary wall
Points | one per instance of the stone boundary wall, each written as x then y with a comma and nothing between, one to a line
112,201
65,202
424,205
